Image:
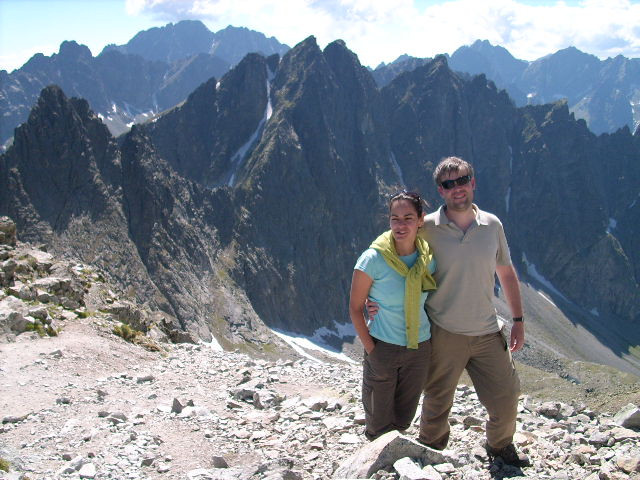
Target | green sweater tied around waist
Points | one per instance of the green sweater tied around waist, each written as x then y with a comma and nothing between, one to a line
417,279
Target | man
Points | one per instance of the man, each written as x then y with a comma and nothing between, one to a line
470,248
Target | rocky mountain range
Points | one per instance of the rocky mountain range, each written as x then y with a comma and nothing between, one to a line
604,93
246,206
131,83
159,67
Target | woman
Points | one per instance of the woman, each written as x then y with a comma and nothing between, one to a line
395,272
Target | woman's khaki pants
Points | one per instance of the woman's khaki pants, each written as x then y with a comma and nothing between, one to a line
393,380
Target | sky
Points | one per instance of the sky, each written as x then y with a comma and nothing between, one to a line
376,30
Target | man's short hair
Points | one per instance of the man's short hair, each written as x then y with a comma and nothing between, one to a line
449,165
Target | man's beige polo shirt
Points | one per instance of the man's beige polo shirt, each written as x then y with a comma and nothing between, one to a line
465,271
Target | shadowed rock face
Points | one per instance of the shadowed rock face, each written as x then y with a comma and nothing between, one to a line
200,138
224,241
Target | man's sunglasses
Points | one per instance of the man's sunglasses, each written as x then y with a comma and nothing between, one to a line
449,184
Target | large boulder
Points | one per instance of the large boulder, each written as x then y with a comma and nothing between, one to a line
628,417
12,315
7,231
382,453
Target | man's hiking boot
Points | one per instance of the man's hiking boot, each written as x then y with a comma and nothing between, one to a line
509,455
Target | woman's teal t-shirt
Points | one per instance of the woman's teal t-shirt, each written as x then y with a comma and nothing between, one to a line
389,325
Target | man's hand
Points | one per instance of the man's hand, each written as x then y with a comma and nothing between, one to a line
372,308
517,336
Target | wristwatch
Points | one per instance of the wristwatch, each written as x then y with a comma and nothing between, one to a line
518,319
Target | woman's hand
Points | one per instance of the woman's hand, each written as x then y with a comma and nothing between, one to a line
371,308
360,286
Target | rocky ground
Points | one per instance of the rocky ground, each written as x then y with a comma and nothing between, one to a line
87,404
79,401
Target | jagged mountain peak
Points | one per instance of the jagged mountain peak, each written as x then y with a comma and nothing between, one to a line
308,45
571,50
299,63
438,68
63,114
439,62
55,110
203,137
344,62
169,42
70,52
402,58
570,54
74,50
186,38
189,25
233,42
61,155
485,46
338,48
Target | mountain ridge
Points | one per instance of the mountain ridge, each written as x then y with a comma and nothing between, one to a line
189,54
602,92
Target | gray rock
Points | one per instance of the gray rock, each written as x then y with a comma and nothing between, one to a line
549,409
129,313
158,335
445,468
266,398
219,462
316,404
628,416
12,315
599,439
471,421
7,232
77,462
620,434
349,439
408,470
40,312
628,463
14,419
145,379
87,470
382,453
431,473
44,297
8,267
246,391
176,406
67,303
117,418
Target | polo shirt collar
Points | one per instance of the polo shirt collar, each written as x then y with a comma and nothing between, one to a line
442,219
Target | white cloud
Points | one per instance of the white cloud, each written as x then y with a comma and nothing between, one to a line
381,30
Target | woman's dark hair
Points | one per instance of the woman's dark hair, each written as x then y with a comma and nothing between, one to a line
413,197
